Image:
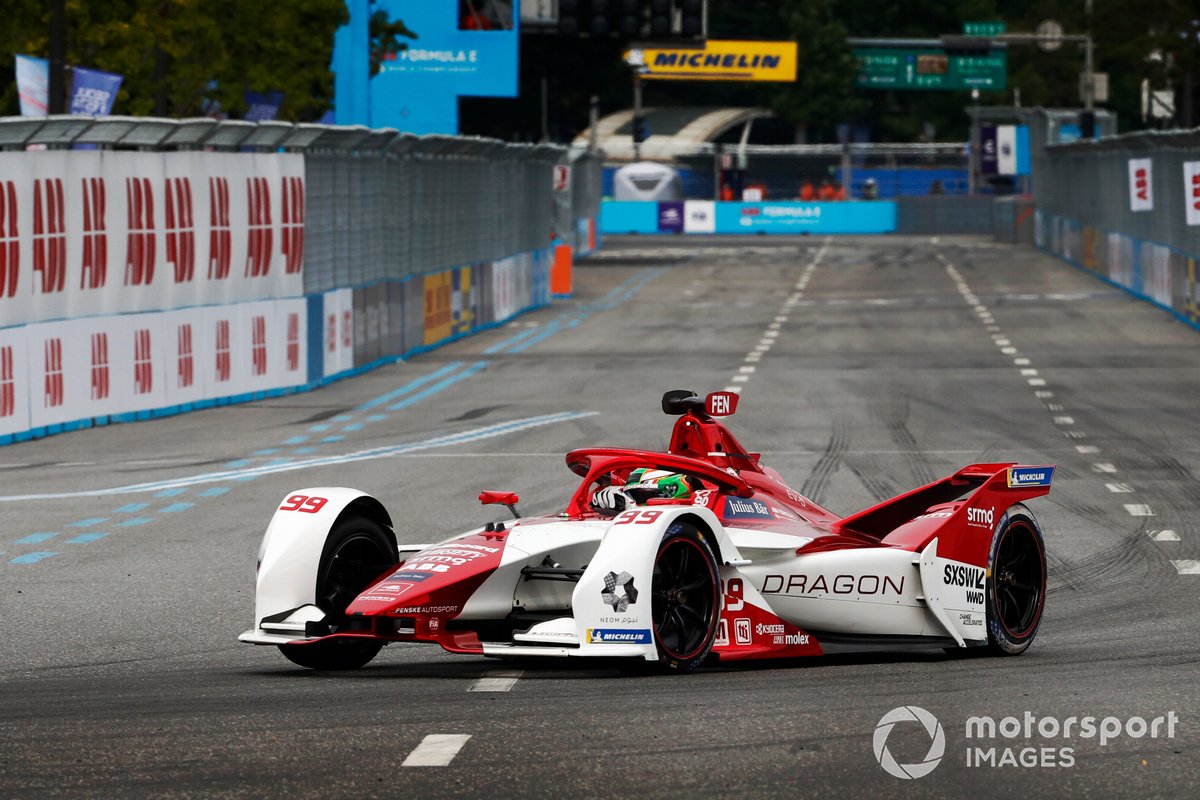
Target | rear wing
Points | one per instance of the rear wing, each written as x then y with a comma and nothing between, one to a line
1013,483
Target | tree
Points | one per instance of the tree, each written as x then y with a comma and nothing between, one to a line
178,56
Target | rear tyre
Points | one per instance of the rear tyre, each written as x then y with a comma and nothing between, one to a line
357,551
1016,583
685,598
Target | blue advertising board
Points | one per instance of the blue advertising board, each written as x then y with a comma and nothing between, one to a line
642,216
417,88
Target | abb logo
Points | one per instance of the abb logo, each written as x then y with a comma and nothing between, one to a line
139,253
258,346
49,234
143,363
10,245
222,350
8,396
1195,202
293,342
181,234
53,396
1141,181
331,337
293,224
99,366
220,238
95,236
186,366
258,224
347,329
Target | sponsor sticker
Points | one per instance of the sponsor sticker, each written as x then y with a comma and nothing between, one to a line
405,575
1021,477
618,636
741,508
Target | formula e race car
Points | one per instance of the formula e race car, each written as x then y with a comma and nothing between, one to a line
729,564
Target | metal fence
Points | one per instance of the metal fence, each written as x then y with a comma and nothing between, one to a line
1120,206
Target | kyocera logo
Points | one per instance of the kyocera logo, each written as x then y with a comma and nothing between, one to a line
981,517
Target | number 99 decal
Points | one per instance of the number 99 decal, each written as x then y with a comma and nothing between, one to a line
304,503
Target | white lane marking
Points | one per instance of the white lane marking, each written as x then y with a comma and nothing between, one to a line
1008,351
1139,510
746,370
1187,567
1045,394
1075,434
1104,466
774,326
781,319
740,378
1029,372
1119,488
1087,448
448,440
1064,420
766,343
1163,536
762,348
1054,406
770,334
734,389
1021,362
436,750
1037,381
1003,342
496,681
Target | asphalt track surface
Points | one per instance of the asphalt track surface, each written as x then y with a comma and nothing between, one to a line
901,360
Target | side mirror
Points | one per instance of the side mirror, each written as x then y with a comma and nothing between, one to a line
507,499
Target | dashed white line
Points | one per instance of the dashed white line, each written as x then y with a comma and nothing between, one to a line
1139,510
1003,343
1064,420
1037,381
497,681
746,370
1087,448
740,378
1043,395
1054,407
1187,567
1008,351
1029,372
1163,536
734,389
436,750
1119,488
1104,466
1021,362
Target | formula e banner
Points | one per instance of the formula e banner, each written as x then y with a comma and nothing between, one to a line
1141,190
101,232
1191,191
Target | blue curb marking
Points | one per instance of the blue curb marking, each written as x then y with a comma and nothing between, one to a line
35,538
377,418
352,427
303,451
84,538
32,558
214,491
416,383
296,440
268,451
342,418
170,493
87,523
175,508
132,508
332,439
238,463
129,523
320,428
437,387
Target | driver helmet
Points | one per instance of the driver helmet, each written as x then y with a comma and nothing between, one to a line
645,483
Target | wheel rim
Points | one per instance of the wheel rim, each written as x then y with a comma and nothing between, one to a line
1017,580
357,561
683,599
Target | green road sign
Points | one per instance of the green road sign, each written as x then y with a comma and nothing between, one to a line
984,28
930,68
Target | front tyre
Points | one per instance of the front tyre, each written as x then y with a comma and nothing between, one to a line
685,598
1016,583
357,551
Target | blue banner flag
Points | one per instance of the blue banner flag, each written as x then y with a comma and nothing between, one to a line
33,81
263,106
93,92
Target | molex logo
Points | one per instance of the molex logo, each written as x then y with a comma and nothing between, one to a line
937,742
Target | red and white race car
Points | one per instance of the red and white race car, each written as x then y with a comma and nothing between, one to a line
738,567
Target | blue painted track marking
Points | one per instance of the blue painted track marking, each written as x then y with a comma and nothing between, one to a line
132,508
134,521
214,491
32,558
296,440
331,439
303,451
175,508
170,492
416,383
321,428
377,418
239,462
352,427
267,451
87,523
35,538
85,538
438,387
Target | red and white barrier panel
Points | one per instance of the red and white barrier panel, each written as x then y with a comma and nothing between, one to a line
96,232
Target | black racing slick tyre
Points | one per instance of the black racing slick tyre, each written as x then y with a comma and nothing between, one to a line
357,551
685,598
1016,583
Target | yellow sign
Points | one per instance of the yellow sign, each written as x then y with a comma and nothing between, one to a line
717,61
